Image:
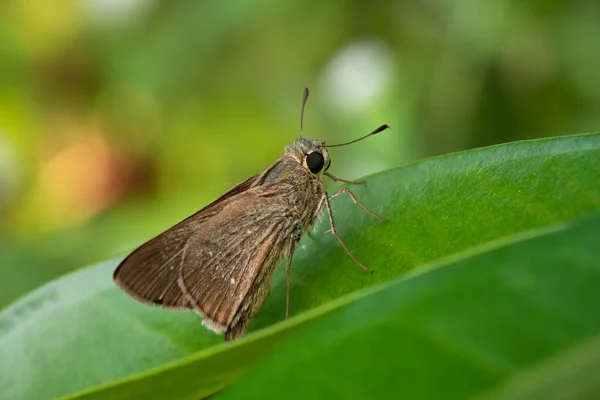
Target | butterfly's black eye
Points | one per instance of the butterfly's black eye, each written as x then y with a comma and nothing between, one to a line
315,161
328,165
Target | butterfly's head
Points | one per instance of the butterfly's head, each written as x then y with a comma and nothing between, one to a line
311,154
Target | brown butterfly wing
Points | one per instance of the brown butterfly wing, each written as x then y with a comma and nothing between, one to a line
149,274
235,251
210,261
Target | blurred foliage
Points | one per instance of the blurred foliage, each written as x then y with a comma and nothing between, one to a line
118,118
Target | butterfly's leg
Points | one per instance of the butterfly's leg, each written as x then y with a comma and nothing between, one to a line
334,231
288,267
353,198
336,179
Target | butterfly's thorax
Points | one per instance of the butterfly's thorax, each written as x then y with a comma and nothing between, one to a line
303,189
308,192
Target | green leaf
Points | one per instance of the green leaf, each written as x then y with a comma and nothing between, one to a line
80,332
514,312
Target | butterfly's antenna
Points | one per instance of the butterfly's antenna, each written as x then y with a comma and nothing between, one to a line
376,131
304,98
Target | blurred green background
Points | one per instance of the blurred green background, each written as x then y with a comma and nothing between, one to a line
118,118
